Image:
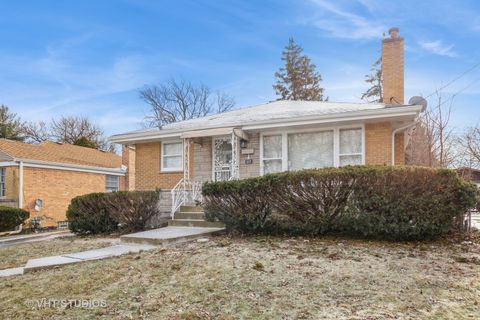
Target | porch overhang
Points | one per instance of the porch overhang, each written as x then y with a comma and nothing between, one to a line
215,132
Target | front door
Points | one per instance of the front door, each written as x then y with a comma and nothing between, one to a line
222,158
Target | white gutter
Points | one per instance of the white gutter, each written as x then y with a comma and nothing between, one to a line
63,166
20,185
336,117
394,132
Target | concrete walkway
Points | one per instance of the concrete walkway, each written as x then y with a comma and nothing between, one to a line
96,254
131,243
32,237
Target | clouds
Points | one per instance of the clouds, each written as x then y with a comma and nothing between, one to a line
90,59
342,23
437,47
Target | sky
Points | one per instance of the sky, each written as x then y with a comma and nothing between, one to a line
90,58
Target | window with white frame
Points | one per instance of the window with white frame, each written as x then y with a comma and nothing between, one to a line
111,183
62,224
272,153
312,149
350,152
3,183
172,156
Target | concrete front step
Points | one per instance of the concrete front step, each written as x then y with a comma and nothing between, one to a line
168,235
191,209
195,223
190,215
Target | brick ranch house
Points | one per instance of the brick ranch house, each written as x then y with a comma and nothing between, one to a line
43,178
275,136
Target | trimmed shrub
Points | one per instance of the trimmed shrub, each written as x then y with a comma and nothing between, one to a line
132,209
408,203
122,211
88,214
12,217
241,205
397,203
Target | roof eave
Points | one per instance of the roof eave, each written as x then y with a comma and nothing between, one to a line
70,167
413,110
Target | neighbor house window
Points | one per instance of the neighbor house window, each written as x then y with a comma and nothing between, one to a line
62,224
3,183
111,183
272,154
311,149
350,152
172,156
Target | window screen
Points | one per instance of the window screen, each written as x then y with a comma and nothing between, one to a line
310,150
111,183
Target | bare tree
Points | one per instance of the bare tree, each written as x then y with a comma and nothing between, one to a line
68,129
418,151
37,132
432,142
177,100
469,143
224,102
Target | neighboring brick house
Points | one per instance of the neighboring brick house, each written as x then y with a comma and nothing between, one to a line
277,136
43,178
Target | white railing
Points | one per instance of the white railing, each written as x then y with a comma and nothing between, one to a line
185,191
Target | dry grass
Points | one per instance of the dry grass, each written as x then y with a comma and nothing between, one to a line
264,278
18,255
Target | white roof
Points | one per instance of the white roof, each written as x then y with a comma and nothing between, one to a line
273,112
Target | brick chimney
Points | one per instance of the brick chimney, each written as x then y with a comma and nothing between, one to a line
393,67
128,160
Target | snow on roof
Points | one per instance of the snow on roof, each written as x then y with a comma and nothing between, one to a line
281,111
276,110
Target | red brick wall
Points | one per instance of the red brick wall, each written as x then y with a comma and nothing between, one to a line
147,168
56,188
128,160
378,140
393,70
399,149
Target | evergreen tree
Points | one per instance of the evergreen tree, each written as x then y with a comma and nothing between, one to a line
298,79
375,79
11,127
85,142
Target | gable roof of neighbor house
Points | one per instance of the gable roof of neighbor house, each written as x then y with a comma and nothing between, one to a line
53,152
276,113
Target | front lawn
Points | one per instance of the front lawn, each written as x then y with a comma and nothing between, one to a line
263,278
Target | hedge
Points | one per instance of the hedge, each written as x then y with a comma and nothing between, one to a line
397,203
122,211
12,217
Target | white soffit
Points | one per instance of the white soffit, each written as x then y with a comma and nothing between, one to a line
206,133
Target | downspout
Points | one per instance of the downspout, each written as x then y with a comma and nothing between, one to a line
20,185
394,132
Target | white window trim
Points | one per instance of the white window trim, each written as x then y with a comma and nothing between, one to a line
262,159
117,187
361,153
336,143
162,155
